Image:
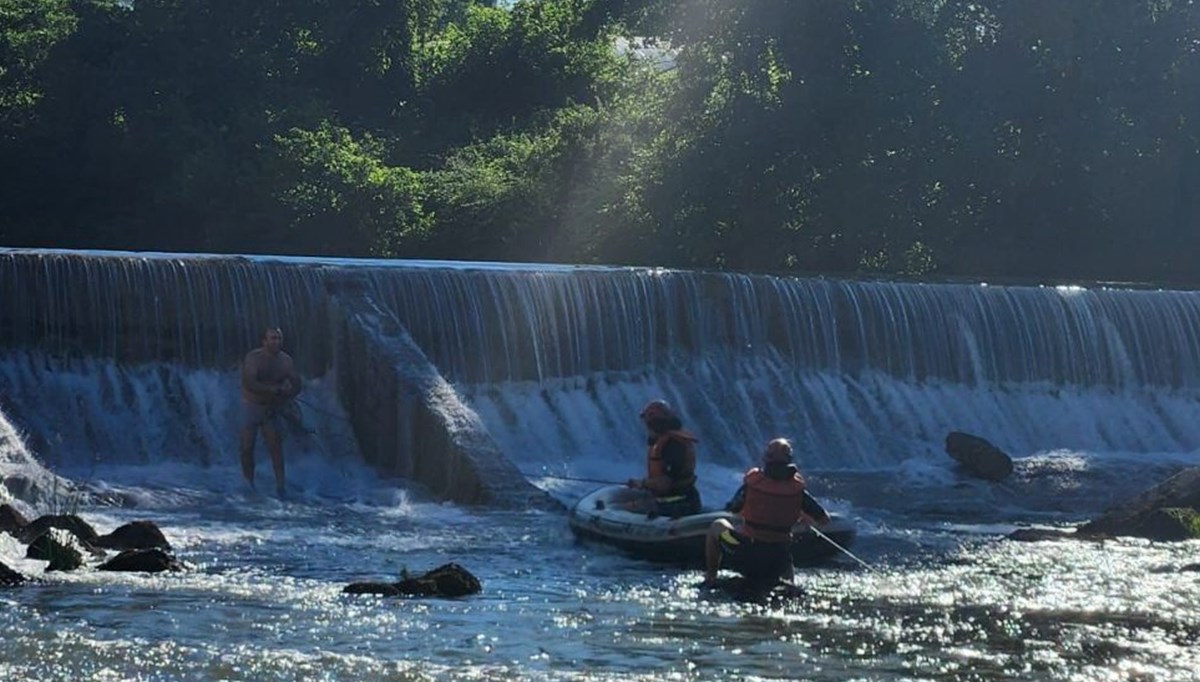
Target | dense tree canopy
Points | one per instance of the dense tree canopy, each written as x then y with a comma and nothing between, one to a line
998,138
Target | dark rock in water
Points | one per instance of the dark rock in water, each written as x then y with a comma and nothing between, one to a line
1190,568
449,580
153,560
61,548
1042,534
1170,524
11,520
1168,511
741,589
978,456
10,578
382,589
68,522
135,535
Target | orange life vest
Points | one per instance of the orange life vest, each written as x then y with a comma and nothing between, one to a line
772,507
656,468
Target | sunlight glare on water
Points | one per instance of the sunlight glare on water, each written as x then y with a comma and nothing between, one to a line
263,601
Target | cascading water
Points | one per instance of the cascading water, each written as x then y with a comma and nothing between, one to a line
557,360
862,375
119,370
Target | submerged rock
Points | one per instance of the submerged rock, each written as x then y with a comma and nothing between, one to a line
750,591
381,589
449,580
1165,512
1042,534
152,560
978,456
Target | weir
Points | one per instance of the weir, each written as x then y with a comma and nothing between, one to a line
549,364
410,421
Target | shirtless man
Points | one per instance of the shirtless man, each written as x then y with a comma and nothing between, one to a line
269,383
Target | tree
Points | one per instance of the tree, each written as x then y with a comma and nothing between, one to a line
29,30
345,200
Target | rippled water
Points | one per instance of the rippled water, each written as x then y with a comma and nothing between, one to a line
950,600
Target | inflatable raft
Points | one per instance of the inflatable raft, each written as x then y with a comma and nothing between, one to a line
615,515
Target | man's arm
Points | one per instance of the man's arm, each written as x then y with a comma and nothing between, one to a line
738,500
293,384
814,509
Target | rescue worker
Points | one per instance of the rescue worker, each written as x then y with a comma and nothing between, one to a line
771,500
670,463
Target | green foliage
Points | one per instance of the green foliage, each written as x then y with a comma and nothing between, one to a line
344,199
502,68
504,198
923,136
1186,520
914,138
29,30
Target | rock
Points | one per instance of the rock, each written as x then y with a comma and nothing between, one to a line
449,580
61,548
1167,511
152,560
1170,524
10,578
135,535
382,589
746,590
68,522
978,456
1190,568
11,520
1041,534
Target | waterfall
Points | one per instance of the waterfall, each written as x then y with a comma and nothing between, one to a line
557,360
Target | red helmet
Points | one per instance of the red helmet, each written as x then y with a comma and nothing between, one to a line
657,409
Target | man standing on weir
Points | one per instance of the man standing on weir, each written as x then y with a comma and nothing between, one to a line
269,384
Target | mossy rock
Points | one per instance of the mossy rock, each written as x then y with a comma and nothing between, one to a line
1166,511
1171,524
